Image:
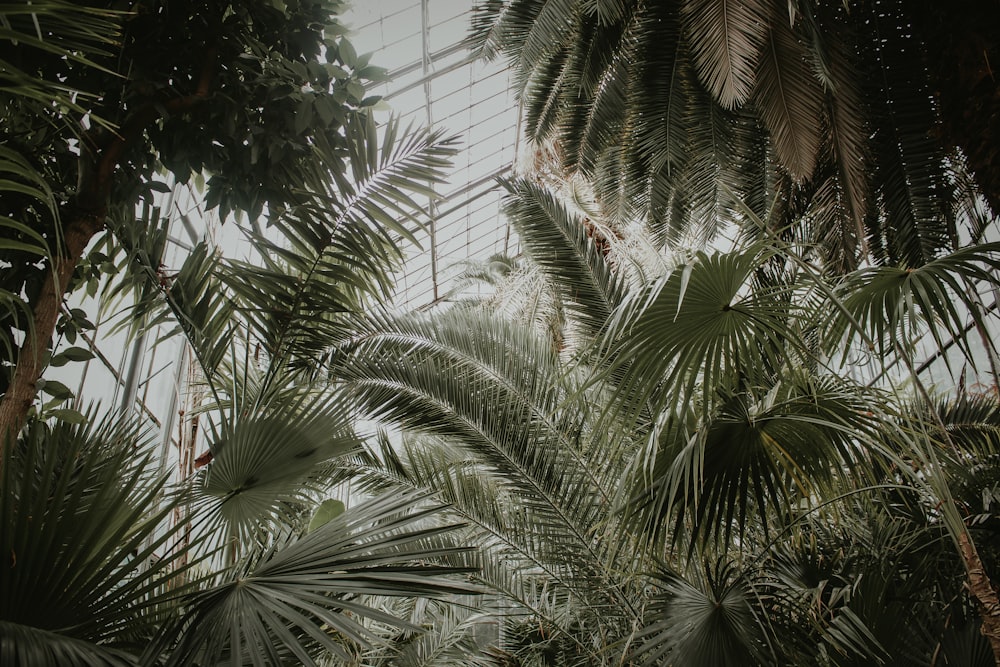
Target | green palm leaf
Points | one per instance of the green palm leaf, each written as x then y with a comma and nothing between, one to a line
340,244
894,305
433,375
306,596
267,456
698,329
454,640
848,128
789,99
759,456
710,621
523,466
89,551
55,29
910,167
726,39
559,244
192,297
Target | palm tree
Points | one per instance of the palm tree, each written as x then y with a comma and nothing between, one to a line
700,483
241,579
680,111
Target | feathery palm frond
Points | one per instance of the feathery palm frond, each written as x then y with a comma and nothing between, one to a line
495,388
560,244
726,39
525,468
57,30
659,103
342,240
914,188
18,176
454,638
848,125
192,297
789,99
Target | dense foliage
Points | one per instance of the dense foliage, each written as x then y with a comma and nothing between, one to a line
692,424
105,563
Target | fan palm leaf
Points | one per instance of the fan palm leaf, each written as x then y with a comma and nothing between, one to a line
894,305
91,554
699,329
709,621
268,459
759,456
305,595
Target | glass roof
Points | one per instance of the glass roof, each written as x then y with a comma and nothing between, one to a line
436,82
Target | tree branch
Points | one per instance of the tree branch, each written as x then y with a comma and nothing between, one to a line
97,166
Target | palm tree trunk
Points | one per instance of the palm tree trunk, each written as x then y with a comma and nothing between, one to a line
982,590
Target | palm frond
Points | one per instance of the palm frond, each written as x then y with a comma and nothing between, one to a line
340,243
435,375
710,621
498,524
18,239
453,640
550,26
192,296
698,329
306,596
895,305
726,39
657,105
90,553
502,25
848,124
598,68
760,456
56,30
913,185
266,457
525,468
560,244
789,99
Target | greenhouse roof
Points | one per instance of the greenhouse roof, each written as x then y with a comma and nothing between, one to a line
436,81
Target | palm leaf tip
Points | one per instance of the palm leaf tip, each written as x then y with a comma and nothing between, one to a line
726,39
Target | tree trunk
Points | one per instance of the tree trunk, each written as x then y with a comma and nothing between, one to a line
982,590
16,402
101,155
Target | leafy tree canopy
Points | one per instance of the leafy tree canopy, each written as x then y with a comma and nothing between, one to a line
104,101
